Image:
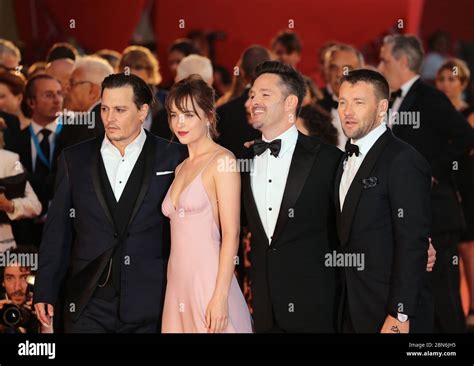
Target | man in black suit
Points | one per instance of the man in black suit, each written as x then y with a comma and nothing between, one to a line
289,206
425,118
383,217
105,231
232,123
39,146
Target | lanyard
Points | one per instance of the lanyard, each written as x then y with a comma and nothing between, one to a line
39,151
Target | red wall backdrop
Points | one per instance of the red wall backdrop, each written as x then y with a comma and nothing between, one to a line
257,22
111,23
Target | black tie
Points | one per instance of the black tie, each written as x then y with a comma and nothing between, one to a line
41,169
351,149
394,95
260,146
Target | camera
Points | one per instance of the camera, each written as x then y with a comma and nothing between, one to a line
15,316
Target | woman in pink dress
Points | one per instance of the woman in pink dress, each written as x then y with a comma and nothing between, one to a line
203,205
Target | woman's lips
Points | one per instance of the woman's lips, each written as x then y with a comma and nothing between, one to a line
182,133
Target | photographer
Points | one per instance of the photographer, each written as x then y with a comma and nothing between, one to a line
16,271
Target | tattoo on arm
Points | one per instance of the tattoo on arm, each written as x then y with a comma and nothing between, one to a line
395,329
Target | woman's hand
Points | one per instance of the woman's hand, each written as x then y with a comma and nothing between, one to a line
217,314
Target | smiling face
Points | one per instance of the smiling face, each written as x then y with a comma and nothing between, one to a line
360,111
122,119
188,122
267,103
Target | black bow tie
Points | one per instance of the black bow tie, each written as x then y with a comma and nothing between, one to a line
352,149
396,94
260,146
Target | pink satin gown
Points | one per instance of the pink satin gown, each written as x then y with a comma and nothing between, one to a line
193,265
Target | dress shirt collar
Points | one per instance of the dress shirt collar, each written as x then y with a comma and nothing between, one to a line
288,139
365,143
406,87
136,144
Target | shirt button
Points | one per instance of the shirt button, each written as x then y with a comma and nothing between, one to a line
269,209
120,182
269,181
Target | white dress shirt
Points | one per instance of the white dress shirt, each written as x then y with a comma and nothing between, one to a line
268,179
353,163
120,167
52,136
405,88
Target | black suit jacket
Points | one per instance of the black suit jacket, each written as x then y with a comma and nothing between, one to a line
386,219
75,133
443,137
292,289
233,127
78,246
12,133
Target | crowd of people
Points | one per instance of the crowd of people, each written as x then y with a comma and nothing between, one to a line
125,187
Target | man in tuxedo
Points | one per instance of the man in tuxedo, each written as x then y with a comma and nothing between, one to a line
105,231
425,118
289,205
383,217
39,146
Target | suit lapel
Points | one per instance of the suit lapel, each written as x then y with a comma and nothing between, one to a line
251,207
302,161
355,190
96,159
410,97
339,172
149,148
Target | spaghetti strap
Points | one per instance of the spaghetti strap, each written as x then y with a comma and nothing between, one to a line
208,162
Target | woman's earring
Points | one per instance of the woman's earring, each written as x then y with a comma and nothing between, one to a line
208,130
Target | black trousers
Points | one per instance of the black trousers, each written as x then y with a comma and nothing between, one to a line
101,316
445,285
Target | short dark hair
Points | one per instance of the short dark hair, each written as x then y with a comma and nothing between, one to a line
289,40
30,92
291,79
382,90
184,46
251,58
62,50
142,93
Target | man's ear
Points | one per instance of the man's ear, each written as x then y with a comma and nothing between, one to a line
382,108
291,102
30,103
144,109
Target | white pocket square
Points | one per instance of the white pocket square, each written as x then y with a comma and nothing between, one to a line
165,172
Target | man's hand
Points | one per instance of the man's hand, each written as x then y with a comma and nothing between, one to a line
248,144
392,325
431,257
4,302
5,204
43,317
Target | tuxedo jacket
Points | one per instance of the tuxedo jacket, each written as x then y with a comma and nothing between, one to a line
80,235
292,288
443,137
385,221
